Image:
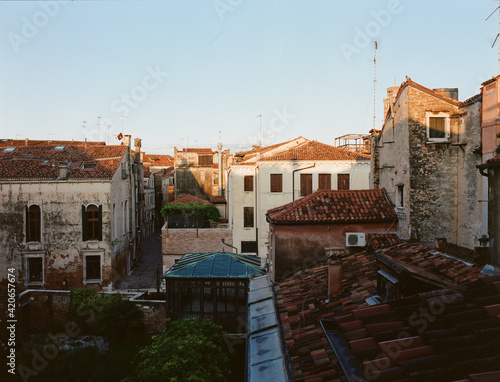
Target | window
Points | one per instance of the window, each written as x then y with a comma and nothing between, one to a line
306,184
92,222
248,183
249,247
59,148
401,195
8,149
248,217
123,219
114,221
343,182
34,269
93,267
276,183
438,126
33,223
205,160
324,181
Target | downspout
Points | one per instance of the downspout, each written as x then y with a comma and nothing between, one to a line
293,179
256,190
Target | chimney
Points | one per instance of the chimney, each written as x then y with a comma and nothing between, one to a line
392,92
26,142
219,147
335,255
63,173
126,139
449,92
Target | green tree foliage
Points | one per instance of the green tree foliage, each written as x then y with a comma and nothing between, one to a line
209,211
85,305
190,350
120,321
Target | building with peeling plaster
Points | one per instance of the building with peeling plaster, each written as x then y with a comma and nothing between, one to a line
67,214
425,157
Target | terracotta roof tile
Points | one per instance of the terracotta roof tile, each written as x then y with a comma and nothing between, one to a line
189,199
43,162
197,151
383,240
313,150
39,142
159,160
302,302
334,206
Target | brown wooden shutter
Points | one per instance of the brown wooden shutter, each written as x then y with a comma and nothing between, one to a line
276,183
248,217
324,182
248,180
305,184
343,181
99,224
27,224
84,223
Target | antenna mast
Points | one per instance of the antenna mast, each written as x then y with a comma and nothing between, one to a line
375,85
498,34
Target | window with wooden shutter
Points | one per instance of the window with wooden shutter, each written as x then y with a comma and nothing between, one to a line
324,181
276,183
248,217
248,183
33,223
343,181
306,184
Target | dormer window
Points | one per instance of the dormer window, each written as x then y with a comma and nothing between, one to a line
59,148
388,286
9,149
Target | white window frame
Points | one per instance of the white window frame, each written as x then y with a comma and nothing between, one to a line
446,117
26,267
85,255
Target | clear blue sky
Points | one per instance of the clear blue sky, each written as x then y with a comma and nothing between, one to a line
181,71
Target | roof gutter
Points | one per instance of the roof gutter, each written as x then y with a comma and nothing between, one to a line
293,178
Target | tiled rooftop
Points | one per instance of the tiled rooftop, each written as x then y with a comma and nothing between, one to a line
313,150
40,142
43,162
186,199
494,160
336,207
383,240
159,160
443,335
302,303
196,150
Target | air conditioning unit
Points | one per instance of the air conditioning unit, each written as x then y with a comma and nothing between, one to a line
355,239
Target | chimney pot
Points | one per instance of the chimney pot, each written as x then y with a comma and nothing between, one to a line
63,173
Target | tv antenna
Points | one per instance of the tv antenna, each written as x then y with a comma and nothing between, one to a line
498,34
83,128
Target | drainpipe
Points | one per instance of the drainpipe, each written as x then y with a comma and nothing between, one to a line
256,190
293,179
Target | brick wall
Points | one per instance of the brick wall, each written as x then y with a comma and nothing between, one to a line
176,242
44,310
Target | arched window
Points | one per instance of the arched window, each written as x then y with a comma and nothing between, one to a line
92,222
33,223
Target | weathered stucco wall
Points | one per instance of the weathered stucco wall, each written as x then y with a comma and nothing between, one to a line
176,242
61,246
303,246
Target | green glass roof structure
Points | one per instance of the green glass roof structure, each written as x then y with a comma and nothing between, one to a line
215,265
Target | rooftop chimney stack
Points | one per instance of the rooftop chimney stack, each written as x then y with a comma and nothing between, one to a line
335,255
63,173
126,140
26,142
